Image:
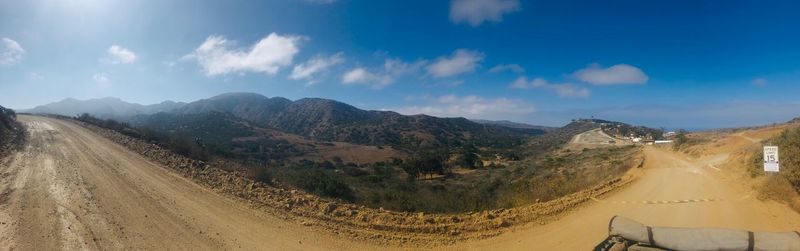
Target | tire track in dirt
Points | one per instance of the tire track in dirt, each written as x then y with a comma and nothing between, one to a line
656,198
109,197
71,189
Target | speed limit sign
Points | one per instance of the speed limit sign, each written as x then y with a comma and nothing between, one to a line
771,159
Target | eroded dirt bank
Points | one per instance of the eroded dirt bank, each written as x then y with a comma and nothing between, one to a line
74,190
672,191
353,221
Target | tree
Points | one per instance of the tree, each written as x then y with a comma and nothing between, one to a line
680,140
469,156
428,163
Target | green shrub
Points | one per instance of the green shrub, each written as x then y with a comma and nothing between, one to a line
324,184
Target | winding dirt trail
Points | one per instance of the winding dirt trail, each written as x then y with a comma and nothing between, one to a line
71,189
671,191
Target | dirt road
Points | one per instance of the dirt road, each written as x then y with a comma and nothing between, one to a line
596,138
672,191
71,189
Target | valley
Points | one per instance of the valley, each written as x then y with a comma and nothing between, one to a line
399,125
380,159
100,194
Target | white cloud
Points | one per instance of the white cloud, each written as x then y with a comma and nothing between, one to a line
101,77
119,55
760,82
35,76
379,78
397,67
315,65
358,75
470,106
563,90
515,68
10,52
217,56
461,61
617,74
475,12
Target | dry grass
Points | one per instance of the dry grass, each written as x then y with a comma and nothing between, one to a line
778,188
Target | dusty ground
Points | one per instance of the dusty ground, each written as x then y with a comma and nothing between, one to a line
595,138
672,191
73,189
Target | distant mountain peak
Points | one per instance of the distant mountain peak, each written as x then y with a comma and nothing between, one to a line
237,95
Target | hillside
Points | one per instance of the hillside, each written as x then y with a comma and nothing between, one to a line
315,118
559,136
623,130
248,106
228,136
329,120
785,185
378,158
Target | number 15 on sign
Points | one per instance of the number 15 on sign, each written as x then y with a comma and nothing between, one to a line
771,159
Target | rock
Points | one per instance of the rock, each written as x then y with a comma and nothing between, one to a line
328,208
502,223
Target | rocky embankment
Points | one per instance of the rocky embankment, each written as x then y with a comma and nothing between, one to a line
12,133
355,221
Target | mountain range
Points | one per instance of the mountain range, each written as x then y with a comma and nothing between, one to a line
103,107
315,118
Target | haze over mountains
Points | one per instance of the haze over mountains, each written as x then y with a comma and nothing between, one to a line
249,106
320,119
108,107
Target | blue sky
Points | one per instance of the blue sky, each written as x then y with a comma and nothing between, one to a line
691,64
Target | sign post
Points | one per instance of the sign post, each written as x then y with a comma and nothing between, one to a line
771,159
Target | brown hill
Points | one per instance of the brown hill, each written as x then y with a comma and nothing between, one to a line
329,120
